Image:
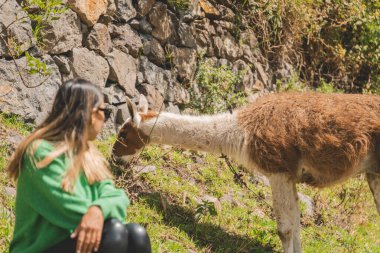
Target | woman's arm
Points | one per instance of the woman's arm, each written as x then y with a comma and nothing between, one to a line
113,202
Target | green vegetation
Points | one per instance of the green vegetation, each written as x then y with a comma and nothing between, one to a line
41,13
295,84
292,84
36,66
219,86
15,122
325,87
334,41
179,4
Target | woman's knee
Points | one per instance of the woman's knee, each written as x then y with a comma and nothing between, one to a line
138,239
114,237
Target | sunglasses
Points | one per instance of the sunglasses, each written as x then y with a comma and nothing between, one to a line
107,112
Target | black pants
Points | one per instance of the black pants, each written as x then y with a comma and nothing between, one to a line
116,238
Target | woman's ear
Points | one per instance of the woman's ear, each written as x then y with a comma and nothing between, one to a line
143,105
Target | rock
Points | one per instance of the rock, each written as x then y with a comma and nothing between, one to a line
172,108
63,63
221,62
154,51
106,19
114,95
204,44
84,28
209,9
231,50
123,70
249,38
153,95
154,75
27,102
226,13
13,140
309,203
259,178
66,77
89,11
19,33
209,198
111,9
122,115
161,22
140,78
142,26
247,78
219,30
88,65
247,54
202,39
284,72
257,86
125,10
124,36
145,169
64,34
218,46
205,25
185,33
217,204
227,198
99,39
144,6
262,75
195,12
184,61
174,27
10,191
176,94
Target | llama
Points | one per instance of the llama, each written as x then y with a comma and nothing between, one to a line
317,139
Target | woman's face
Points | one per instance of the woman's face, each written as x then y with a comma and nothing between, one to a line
97,122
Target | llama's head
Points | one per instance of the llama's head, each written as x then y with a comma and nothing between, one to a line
131,138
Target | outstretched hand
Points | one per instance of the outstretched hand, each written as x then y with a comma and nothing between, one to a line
89,231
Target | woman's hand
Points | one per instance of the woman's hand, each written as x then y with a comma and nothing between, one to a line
89,230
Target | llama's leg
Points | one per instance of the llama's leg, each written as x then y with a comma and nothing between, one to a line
286,210
374,184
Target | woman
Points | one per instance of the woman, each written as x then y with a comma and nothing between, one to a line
66,201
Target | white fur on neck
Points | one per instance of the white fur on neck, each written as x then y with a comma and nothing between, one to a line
217,134
137,119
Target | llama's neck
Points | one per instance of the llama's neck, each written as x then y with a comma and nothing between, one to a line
217,134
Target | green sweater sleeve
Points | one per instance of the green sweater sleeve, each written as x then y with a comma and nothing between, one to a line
112,201
46,196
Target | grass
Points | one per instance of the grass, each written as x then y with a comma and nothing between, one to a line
168,202
179,4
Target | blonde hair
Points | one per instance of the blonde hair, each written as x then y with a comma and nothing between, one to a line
67,128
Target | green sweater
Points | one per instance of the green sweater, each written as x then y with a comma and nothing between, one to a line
45,214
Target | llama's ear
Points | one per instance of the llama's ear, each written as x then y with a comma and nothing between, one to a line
143,105
131,108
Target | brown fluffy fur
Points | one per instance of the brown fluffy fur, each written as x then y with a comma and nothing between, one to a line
331,133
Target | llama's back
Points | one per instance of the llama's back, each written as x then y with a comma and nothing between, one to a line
325,134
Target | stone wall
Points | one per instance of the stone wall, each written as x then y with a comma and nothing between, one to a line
129,48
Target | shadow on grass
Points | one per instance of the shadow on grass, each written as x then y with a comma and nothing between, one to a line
206,235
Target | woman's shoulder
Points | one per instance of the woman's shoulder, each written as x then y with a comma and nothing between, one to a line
39,147
42,152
